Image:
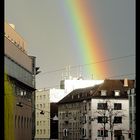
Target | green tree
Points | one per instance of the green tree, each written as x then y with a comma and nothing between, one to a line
8,109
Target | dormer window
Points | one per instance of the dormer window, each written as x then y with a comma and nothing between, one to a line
117,93
103,92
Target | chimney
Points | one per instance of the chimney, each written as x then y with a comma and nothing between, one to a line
125,82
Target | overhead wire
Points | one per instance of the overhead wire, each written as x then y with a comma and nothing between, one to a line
82,65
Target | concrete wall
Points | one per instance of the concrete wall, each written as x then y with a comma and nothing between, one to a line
42,121
12,51
23,128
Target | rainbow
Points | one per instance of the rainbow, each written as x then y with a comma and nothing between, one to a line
86,34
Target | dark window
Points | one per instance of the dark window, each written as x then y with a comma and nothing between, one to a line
83,132
117,106
117,119
22,122
102,106
117,133
27,122
102,119
65,132
18,121
102,133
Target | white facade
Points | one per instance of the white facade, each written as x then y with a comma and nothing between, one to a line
70,85
42,121
56,94
123,113
103,112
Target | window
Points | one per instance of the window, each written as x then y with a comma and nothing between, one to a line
83,132
118,119
89,132
117,93
40,105
27,122
117,106
102,106
37,131
40,131
24,122
44,131
37,122
89,119
65,132
117,133
102,133
103,92
18,121
89,106
44,96
102,119
83,119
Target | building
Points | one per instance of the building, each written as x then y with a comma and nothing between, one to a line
132,113
42,115
74,83
20,68
95,113
56,95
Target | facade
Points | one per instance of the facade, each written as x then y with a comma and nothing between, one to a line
70,84
100,112
132,113
42,115
56,95
20,68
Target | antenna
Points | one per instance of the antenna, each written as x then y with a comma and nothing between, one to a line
69,72
92,76
80,71
66,75
62,76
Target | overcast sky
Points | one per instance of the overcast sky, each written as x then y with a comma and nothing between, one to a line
44,27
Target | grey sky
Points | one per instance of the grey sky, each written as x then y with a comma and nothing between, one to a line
44,27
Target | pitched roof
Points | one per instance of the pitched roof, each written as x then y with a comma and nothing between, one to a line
108,85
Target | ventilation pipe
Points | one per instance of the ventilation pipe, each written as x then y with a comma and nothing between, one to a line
125,82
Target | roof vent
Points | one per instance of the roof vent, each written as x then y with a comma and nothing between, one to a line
103,92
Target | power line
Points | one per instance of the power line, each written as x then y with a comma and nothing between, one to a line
82,65
22,103
127,74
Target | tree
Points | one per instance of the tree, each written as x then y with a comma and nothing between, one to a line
109,114
8,110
